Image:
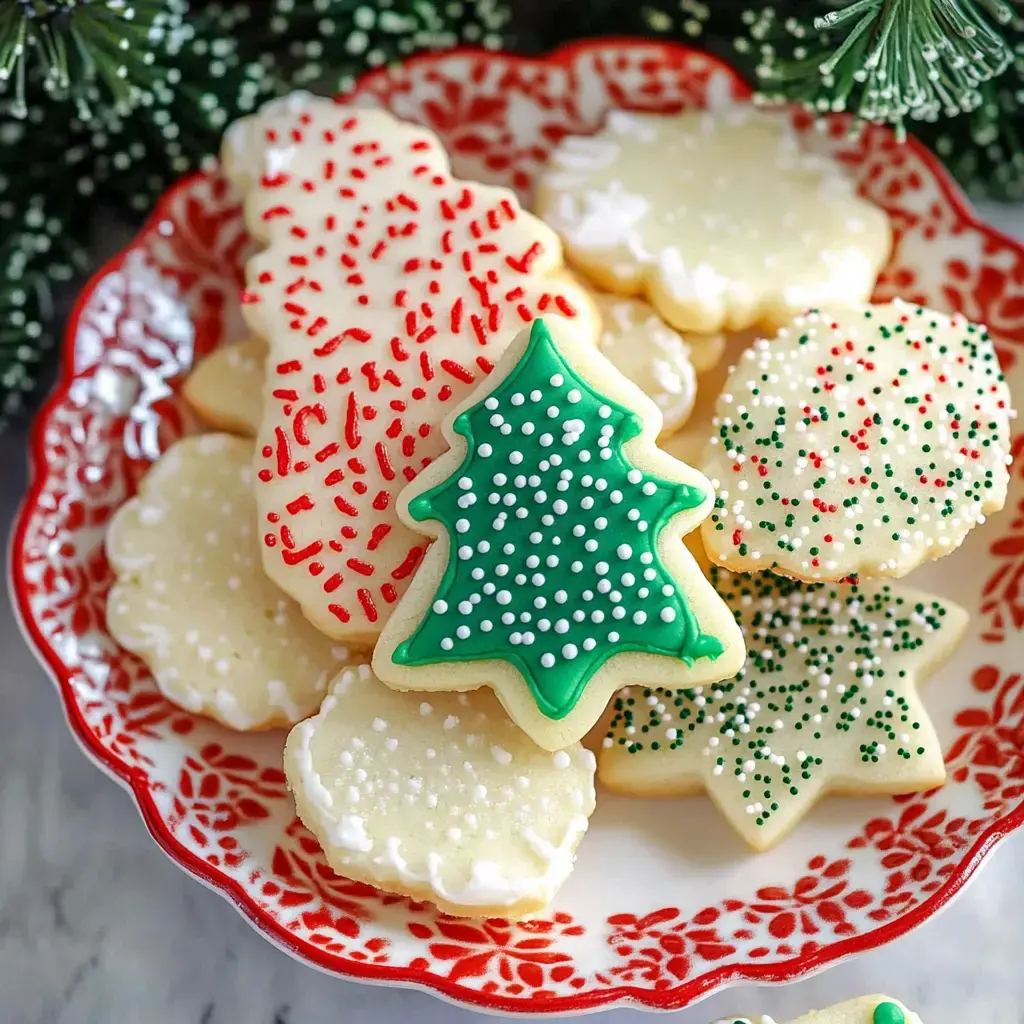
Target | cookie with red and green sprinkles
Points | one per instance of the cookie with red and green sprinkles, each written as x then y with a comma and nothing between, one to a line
558,572
860,441
826,701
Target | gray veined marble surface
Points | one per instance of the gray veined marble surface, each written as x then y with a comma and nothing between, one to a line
97,926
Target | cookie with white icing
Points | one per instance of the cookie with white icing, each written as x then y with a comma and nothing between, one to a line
558,571
192,601
860,440
689,442
386,291
226,388
826,702
720,219
652,355
439,797
862,1010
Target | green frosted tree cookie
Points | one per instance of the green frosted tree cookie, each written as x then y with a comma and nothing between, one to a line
558,573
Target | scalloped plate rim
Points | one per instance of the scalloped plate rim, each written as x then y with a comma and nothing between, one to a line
620,996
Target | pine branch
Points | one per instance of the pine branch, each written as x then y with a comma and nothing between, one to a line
89,51
985,148
885,60
36,257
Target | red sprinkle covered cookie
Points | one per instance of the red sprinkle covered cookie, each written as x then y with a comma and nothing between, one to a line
860,441
387,289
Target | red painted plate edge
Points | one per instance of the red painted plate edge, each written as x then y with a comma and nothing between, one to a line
134,781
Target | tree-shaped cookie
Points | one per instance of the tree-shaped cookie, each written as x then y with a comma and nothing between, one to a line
826,702
558,572
386,290
860,441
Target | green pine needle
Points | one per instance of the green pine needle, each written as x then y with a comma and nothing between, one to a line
330,42
89,51
886,60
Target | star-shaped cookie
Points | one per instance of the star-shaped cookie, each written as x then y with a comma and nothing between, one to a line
826,702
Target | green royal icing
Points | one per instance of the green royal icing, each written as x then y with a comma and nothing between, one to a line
888,1013
553,562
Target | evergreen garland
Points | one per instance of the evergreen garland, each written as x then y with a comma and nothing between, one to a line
114,99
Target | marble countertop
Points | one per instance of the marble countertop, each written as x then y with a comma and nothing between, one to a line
97,926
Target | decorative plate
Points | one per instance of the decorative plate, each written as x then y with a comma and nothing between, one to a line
666,904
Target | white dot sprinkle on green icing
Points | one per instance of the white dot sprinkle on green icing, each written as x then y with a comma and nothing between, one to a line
577,559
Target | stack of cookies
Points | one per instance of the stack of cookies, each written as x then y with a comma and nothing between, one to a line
447,523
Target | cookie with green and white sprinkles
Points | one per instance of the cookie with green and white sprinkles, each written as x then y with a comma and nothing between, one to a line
862,1010
825,702
860,441
558,572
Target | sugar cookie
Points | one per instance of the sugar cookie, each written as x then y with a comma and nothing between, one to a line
862,1010
439,798
722,220
689,442
386,291
226,388
193,602
557,572
826,702
860,440
651,354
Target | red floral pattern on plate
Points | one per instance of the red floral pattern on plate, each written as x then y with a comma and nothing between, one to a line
665,934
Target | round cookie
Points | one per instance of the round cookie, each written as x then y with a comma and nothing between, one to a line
386,291
439,797
688,443
826,702
192,601
624,317
226,388
558,572
720,219
859,441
